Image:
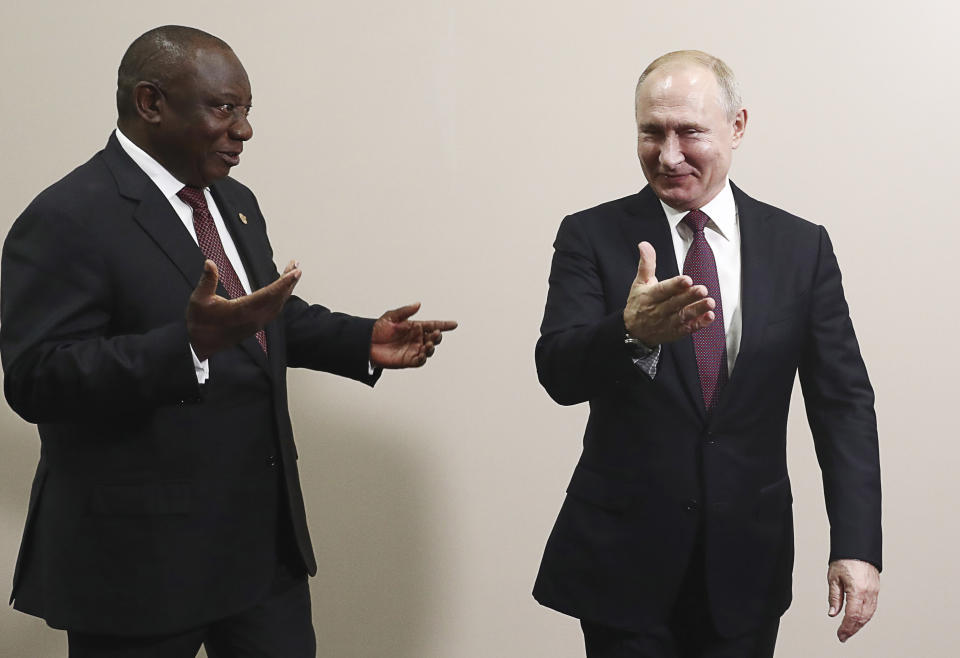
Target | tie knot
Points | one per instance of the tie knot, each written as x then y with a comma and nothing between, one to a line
193,197
696,220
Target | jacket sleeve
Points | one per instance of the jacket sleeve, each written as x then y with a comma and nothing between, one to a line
581,347
839,404
61,359
321,339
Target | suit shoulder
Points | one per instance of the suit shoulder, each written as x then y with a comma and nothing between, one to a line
79,198
607,211
783,219
90,182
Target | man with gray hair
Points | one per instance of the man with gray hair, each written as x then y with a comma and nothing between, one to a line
683,314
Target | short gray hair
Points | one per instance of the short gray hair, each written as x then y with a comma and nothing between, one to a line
729,87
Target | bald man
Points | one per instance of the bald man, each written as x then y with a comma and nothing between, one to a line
166,512
683,314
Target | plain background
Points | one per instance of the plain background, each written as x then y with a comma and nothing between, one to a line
427,150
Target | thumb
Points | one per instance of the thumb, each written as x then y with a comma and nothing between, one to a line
207,287
402,313
647,269
835,597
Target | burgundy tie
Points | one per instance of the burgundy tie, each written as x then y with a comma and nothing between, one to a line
709,343
212,248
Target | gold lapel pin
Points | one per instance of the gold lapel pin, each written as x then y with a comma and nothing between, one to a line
243,218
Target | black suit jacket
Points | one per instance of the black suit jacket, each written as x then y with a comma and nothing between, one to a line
156,502
656,468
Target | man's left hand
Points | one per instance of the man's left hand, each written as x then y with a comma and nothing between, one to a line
859,583
399,342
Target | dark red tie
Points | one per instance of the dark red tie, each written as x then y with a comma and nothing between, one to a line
709,343
212,248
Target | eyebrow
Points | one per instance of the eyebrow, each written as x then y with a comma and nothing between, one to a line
656,127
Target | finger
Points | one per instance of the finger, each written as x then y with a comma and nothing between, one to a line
402,313
664,290
834,596
439,325
292,265
853,619
430,350
685,298
696,309
647,268
267,301
699,322
207,286
433,337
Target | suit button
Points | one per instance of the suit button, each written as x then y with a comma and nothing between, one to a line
272,461
692,505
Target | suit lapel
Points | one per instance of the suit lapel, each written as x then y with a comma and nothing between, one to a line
154,214
256,260
158,219
677,370
756,267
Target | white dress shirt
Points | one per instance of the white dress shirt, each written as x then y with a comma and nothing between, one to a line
169,186
723,235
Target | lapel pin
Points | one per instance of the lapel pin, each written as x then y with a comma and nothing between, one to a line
243,218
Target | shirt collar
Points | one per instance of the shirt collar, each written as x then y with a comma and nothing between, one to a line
721,209
167,182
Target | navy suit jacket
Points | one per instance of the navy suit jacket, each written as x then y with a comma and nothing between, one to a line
656,468
156,502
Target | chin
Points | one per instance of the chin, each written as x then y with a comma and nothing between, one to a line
676,199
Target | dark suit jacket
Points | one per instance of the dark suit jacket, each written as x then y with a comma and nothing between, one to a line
156,502
657,468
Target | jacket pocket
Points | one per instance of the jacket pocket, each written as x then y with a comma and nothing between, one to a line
153,499
774,498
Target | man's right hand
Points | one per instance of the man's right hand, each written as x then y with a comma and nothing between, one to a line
215,323
663,311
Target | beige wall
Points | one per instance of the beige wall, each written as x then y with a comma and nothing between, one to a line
428,150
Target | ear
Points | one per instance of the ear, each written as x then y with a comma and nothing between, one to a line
149,101
739,126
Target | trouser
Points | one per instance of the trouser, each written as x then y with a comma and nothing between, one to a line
688,633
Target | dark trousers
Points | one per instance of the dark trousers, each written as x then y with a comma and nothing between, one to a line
279,626
689,633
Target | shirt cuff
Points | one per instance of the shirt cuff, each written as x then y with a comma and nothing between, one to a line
648,363
201,368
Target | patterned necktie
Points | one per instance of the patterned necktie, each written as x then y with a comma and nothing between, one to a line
709,343
212,248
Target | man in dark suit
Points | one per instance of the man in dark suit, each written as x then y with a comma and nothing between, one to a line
683,314
166,511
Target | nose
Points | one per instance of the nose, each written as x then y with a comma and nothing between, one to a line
670,153
241,129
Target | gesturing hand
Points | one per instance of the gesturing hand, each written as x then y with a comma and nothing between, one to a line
215,323
660,312
859,583
399,342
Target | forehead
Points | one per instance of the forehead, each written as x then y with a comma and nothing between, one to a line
681,91
216,71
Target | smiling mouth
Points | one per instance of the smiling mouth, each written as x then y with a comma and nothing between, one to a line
232,158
